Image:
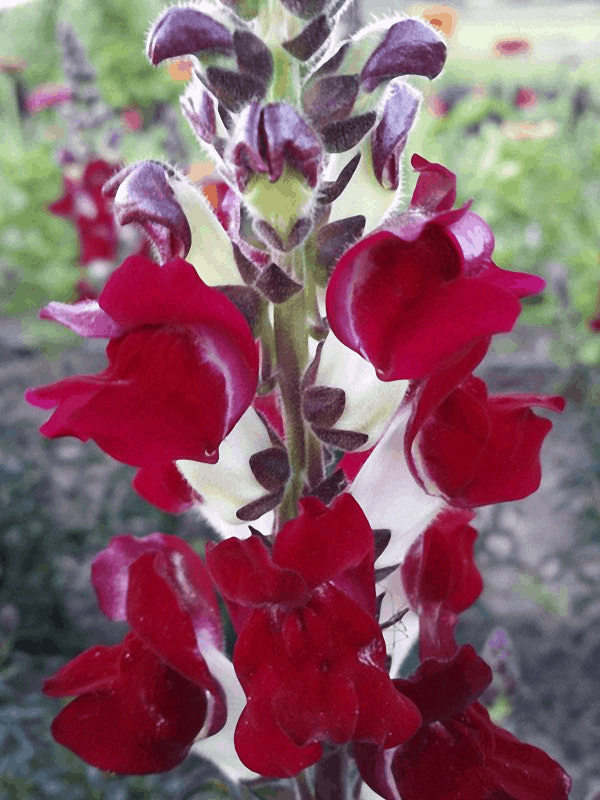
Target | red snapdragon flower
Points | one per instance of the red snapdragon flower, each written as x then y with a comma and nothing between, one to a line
140,705
310,654
459,752
476,449
183,367
423,286
83,204
441,580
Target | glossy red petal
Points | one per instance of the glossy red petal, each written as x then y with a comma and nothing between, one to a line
323,542
405,307
94,669
436,186
184,571
144,723
160,614
244,573
164,487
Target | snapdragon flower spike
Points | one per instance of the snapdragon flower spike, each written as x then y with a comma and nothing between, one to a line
441,580
83,204
422,287
309,655
180,375
140,705
459,752
476,449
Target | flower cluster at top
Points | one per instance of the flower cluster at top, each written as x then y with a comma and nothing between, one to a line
295,360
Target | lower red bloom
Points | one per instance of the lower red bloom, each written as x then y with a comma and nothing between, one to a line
310,654
140,705
477,449
459,752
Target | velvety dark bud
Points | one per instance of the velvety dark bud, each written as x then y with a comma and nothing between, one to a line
275,285
410,47
248,270
299,232
233,89
330,487
343,440
143,195
382,539
271,468
254,510
323,405
390,135
341,136
245,299
253,56
186,31
331,190
334,63
248,153
335,238
201,115
304,8
290,139
330,99
310,374
309,40
225,117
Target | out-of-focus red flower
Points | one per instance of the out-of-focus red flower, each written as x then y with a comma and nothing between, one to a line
47,95
525,97
310,654
512,47
140,705
84,205
180,374
421,288
132,119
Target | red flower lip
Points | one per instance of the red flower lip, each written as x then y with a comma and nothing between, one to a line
140,705
413,293
180,374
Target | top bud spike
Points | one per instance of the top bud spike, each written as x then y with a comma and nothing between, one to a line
185,31
410,47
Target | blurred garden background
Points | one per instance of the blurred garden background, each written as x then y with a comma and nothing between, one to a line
516,116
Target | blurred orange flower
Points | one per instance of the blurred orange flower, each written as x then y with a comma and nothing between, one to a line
444,18
180,70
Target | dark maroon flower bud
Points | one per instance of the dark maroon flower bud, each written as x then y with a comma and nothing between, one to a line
275,285
331,190
323,405
338,137
334,239
271,468
234,89
390,135
253,56
186,31
143,195
331,98
310,39
410,47
304,8
198,107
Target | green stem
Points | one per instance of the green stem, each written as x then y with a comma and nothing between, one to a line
291,348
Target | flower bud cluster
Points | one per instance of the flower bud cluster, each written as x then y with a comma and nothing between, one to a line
274,365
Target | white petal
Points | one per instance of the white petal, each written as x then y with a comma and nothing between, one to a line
390,496
369,402
399,638
211,253
219,747
229,484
